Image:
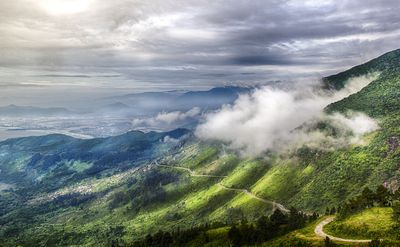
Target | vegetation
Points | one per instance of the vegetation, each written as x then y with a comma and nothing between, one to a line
237,234
59,191
371,223
370,215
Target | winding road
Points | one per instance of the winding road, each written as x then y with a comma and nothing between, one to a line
319,231
250,194
247,192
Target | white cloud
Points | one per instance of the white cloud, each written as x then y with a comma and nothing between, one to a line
267,118
65,7
223,41
358,123
169,139
171,117
349,129
166,120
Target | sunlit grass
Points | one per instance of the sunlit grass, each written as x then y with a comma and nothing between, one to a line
245,174
370,223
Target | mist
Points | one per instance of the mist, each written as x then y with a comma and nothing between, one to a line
269,118
167,120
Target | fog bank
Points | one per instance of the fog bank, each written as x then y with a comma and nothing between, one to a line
267,119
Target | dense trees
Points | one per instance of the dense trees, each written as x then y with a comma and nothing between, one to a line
268,227
174,238
148,190
239,234
382,197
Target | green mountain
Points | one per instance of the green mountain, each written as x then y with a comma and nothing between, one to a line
388,61
60,191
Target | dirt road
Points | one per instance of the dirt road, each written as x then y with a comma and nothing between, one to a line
319,230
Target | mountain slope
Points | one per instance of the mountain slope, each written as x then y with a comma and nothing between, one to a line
387,61
379,99
310,179
39,155
320,178
187,183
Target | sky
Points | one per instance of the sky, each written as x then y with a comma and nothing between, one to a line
69,49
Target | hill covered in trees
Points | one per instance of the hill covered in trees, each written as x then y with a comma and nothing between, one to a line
173,187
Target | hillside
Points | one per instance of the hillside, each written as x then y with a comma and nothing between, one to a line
387,62
372,223
102,192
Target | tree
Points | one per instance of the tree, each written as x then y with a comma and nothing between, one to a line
396,211
278,218
375,243
248,232
264,228
166,239
382,196
327,211
313,217
235,236
296,218
396,195
148,240
328,242
368,197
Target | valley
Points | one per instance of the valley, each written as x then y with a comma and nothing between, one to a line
58,190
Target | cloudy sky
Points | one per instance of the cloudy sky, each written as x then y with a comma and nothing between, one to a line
83,47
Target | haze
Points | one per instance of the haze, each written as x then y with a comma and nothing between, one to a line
64,52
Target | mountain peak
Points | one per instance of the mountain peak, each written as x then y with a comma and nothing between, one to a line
387,61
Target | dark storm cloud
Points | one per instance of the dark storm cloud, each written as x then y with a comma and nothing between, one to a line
260,60
183,44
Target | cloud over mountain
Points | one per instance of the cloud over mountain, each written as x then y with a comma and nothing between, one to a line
269,118
185,44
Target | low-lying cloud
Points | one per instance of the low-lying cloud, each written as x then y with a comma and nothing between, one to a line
269,118
167,120
358,123
171,117
339,131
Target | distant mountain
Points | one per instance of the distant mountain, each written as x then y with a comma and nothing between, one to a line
181,100
116,106
212,98
14,110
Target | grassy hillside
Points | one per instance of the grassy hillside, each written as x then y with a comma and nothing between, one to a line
372,223
61,191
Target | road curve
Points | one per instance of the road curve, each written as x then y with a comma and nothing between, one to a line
319,231
250,194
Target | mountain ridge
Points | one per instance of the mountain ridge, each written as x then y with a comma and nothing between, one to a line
15,110
389,60
154,198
